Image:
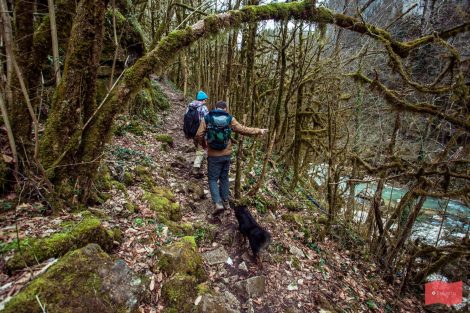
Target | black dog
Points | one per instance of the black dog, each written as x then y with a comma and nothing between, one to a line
257,236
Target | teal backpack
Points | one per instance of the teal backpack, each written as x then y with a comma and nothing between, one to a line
218,129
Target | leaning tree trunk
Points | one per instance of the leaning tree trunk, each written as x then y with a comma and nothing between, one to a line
62,146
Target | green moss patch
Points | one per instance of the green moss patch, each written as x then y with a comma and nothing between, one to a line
84,280
159,97
165,138
106,182
182,257
179,293
162,201
181,229
89,230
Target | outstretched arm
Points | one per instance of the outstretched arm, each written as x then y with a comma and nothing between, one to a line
244,130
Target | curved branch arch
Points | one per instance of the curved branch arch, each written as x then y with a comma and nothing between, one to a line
157,59
98,130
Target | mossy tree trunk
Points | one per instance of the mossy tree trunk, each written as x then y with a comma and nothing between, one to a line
65,153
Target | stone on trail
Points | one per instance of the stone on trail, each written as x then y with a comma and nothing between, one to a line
182,257
196,190
179,293
296,251
84,280
183,262
215,256
250,308
219,303
243,266
252,287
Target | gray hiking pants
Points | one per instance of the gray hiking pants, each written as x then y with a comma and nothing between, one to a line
199,157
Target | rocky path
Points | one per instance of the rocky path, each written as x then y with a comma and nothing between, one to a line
236,280
294,278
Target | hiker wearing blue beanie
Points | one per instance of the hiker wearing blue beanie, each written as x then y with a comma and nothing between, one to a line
195,112
201,96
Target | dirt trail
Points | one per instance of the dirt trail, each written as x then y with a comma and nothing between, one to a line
297,278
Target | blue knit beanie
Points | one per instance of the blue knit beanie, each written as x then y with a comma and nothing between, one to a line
201,95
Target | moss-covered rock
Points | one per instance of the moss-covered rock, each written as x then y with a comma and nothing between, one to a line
182,257
149,101
204,232
162,201
216,302
195,189
181,229
160,99
88,230
84,280
143,103
106,181
179,293
134,126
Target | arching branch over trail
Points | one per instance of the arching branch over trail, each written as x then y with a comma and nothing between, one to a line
160,57
93,135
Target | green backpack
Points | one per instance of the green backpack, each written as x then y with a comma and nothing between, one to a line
218,129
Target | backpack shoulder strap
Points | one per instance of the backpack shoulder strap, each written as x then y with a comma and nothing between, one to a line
208,118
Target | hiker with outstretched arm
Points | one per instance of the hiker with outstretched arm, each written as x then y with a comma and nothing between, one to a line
214,133
195,112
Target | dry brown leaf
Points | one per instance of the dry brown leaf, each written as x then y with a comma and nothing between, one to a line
7,158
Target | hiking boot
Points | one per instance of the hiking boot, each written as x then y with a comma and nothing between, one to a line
227,210
219,208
